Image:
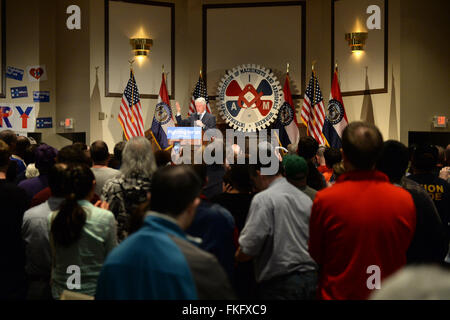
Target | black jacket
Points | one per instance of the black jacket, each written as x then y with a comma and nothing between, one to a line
208,120
430,242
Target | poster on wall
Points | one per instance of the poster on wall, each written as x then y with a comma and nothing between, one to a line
19,92
41,96
37,73
18,117
14,73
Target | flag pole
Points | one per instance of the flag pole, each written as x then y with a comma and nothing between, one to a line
314,92
314,85
279,143
164,75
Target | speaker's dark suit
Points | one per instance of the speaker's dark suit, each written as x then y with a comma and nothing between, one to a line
208,120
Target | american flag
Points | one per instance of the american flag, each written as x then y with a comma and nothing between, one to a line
199,91
313,110
130,115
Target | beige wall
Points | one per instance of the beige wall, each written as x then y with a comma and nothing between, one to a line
382,101
425,65
73,68
418,61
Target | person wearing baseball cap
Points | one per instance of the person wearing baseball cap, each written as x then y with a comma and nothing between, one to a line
296,171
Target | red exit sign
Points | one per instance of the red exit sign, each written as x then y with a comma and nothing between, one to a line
440,121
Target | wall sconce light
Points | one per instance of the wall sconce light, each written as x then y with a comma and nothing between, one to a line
141,46
356,40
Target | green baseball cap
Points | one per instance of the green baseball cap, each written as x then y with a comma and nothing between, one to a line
294,165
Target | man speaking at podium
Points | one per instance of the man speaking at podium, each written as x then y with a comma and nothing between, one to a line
201,118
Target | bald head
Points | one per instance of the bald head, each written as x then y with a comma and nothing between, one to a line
362,144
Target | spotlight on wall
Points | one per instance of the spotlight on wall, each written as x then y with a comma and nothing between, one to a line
356,40
141,46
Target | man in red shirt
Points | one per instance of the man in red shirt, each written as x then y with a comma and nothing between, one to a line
360,228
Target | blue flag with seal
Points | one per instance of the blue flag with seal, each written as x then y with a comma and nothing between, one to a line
336,118
163,118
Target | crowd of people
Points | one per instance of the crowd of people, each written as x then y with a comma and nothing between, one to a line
329,224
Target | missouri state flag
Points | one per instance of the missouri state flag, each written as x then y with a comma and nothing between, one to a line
336,119
162,118
286,121
290,117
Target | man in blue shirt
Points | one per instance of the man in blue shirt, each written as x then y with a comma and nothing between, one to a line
158,261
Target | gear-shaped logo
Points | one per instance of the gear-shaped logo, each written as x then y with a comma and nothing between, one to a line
250,97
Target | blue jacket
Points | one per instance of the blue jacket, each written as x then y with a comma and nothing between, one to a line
215,226
158,262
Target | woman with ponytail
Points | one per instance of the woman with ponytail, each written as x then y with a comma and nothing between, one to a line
81,234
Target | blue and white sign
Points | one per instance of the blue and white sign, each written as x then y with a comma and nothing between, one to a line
184,133
41,96
19,92
14,73
44,123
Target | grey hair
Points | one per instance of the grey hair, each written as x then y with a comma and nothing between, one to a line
421,282
201,99
138,158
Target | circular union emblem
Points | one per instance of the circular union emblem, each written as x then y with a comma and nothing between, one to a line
286,114
250,97
335,111
163,113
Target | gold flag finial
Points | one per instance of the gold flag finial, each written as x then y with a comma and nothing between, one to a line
313,65
200,72
287,68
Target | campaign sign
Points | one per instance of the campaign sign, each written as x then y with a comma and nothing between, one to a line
19,118
44,123
14,73
186,135
41,96
19,92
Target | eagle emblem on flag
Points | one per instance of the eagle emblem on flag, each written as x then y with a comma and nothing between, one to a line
163,113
